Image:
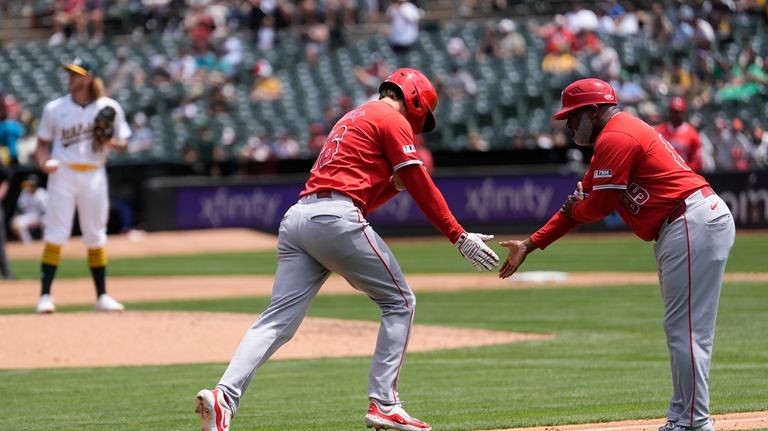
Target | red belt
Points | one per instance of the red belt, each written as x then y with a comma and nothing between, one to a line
680,208
325,194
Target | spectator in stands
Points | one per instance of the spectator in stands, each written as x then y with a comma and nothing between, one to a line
10,133
628,92
759,151
184,65
374,74
221,95
747,78
477,142
682,135
603,60
628,23
199,25
560,62
317,137
257,149
68,14
730,145
155,15
511,42
685,28
123,73
30,208
267,86
657,26
458,50
580,19
721,139
740,147
315,34
266,35
678,78
557,35
458,84
233,52
403,30
142,138
488,45
95,12
286,146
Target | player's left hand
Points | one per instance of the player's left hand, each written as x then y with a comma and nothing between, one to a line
103,128
570,201
472,247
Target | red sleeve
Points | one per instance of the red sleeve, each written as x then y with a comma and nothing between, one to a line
397,140
557,226
430,201
613,160
599,204
382,198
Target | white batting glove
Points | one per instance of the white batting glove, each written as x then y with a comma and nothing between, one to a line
472,247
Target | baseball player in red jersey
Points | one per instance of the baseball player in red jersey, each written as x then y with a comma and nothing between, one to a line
368,157
681,134
636,172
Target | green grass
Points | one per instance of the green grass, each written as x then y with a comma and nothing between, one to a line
609,362
573,254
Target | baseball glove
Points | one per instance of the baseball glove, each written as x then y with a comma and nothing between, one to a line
103,127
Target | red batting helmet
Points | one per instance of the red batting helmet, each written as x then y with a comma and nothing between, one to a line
585,92
677,103
419,97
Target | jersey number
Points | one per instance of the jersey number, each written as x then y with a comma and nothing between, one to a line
330,148
675,155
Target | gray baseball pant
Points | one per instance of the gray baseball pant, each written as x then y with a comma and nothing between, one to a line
691,253
316,237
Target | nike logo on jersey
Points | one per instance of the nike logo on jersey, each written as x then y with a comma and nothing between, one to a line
714,205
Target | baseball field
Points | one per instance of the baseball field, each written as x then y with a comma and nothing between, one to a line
575,342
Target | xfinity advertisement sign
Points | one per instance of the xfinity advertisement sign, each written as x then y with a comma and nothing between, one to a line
473,200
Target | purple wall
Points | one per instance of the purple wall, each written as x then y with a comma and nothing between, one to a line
473,200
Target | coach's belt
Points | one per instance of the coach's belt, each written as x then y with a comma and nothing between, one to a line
681,207
82,167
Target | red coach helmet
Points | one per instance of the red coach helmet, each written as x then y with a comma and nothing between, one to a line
677,103
584,92
419,97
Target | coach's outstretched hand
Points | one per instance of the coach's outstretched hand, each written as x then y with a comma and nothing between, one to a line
518,251
472,247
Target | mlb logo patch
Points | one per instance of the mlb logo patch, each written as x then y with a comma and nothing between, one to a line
409,149
602,173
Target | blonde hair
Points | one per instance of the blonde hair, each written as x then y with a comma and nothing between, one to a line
97,88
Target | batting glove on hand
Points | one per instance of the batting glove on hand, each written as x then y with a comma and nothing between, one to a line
472,247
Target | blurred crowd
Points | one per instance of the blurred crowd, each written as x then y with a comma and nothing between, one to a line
709,66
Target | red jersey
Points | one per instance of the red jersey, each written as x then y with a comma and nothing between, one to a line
362,151
634,171
685,140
